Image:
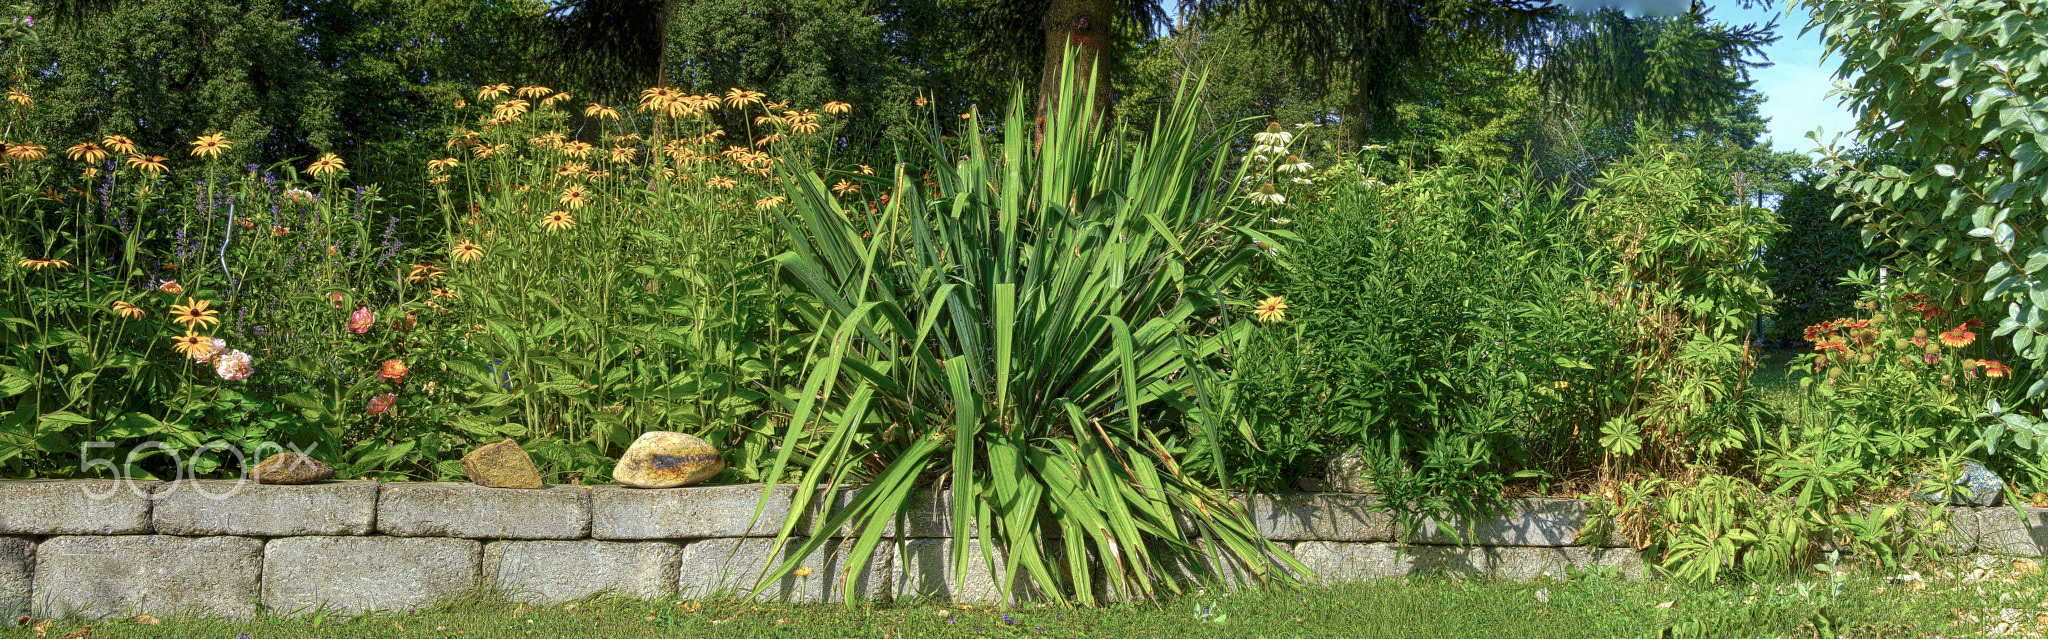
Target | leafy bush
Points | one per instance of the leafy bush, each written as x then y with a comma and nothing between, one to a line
1809,260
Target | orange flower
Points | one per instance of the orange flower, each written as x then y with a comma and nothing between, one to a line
392,369
1994,368
1272,309
194,314
1958,337
844,187
172,287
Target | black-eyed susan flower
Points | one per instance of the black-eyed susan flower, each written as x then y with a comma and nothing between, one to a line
444,293
844,187
557,221
804,126
534,91
489,91
624,154
466,251
865,169
193,345
738,97
424,273
509,108
86,152
327,164
721,183
551,100
211,146
26,152
150,163
578,149
129,310
194,314
601,112
120,144
17,97
770,202
768,139
1272,309
837,107
37,265
573,196
443,164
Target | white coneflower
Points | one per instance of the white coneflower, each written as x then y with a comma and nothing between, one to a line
1280,220
1265,195
1295,164
1273,140
1303,181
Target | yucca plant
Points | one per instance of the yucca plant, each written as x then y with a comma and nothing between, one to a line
1029,337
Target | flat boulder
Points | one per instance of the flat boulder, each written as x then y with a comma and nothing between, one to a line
501,465
291,468
661,459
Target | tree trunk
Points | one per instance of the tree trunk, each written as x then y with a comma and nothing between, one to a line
1086,25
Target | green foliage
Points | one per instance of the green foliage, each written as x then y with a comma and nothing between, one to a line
1026,331
1942,86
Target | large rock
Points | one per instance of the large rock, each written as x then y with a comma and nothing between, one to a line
2004,532
238,507
291,468
120,576
501,465
431,509
557,571
732,566
661,459
89,507
686,513
357,574
17,564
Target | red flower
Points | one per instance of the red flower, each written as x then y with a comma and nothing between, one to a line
382,403
1994,368
1958,337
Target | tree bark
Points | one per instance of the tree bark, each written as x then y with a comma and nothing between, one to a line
1086,25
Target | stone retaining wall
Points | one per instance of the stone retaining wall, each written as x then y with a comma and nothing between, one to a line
104,548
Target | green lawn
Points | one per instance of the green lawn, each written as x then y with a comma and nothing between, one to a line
1958,605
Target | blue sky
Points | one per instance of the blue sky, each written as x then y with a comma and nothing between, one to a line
1797,83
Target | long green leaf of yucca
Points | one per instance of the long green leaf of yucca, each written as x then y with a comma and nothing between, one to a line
1025,337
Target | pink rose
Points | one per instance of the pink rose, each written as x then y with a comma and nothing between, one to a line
205,353
361,321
